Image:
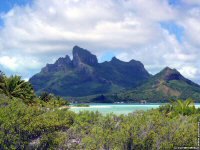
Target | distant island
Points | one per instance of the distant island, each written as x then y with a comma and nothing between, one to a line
84,79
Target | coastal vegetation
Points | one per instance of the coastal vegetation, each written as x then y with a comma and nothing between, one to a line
31,122
82,105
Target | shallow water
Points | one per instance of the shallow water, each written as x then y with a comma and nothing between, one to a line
118,108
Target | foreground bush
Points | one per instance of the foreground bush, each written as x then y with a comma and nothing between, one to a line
142,130
177,107
21,125
36,127
29,122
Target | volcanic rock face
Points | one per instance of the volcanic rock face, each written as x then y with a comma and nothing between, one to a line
62,64
83,75
81,55
63,61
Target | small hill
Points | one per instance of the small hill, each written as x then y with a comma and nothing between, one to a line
84,75
167,84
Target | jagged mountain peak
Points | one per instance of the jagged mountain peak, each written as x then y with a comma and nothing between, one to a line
62,64
63,60
131,62
115,59
81,55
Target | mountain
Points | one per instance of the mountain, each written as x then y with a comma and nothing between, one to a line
88,80
84,75
167,84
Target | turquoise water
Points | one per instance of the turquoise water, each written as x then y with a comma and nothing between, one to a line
118,108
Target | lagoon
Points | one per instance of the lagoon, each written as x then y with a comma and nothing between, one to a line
118,108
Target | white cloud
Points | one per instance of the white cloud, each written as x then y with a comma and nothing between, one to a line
19,63
189,71
130,28
193,32
152,10
57,25
192,2
9,63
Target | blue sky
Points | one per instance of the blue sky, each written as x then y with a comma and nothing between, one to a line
7,5
158,33
175,2
173,28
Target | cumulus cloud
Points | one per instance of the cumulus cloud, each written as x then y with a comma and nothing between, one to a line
15,63
131,29
189,71
52,25
192,2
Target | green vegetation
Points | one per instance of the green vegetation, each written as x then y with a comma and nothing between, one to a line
39,123
82,105
186,107
15,87
22,125
51,101
26,127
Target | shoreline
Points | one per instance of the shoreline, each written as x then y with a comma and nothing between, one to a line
78,107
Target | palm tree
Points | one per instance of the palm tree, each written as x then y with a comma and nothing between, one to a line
15,87
184,107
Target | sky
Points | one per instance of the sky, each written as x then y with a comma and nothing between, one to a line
158,33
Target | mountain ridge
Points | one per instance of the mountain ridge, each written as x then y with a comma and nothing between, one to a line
111,81
86,76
